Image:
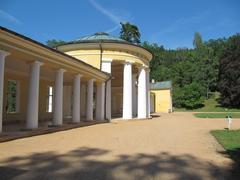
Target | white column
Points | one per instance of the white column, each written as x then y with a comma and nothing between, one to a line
90,100
100,101
58,98
33,95
148,93
142,97
107,67
127,91
76,98
134,95
3,55
108,100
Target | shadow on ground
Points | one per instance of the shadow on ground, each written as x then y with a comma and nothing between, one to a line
235,155
89,163
155,115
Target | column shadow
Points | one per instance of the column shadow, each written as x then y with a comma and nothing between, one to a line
93,163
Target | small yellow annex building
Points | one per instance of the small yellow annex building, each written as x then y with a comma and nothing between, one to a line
161,97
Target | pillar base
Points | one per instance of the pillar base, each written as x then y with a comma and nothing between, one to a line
54,126
74,122
28,129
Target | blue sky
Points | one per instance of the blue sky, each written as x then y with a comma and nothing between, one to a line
171,23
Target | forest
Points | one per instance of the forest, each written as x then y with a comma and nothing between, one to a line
211,66
197,73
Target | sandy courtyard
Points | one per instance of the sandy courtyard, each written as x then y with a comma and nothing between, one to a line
172,146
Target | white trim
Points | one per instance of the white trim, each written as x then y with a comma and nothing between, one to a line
106,66
107,59
4,54
61,60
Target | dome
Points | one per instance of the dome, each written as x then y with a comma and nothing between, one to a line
100,37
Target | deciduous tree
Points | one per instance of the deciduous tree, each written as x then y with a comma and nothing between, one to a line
229,73
130,32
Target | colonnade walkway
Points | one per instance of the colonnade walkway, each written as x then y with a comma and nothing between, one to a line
169,146
18,130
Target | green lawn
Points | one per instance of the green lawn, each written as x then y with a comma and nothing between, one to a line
217,115
230,140
211,105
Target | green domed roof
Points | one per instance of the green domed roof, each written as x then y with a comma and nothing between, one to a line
98,37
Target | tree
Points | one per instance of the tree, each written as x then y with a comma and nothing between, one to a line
54,43
190,96
197,42
207,69
130,33
229,73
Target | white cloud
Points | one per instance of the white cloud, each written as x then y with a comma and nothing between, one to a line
112,29
115,16
106,12
9,17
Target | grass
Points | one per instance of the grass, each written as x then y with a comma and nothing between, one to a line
230,140
211,105
217,115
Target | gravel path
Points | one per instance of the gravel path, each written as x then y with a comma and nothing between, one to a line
172,146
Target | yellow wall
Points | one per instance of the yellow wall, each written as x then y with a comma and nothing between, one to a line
117,101
92,57
23,97
163,100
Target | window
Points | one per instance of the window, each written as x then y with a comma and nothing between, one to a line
12,96
49,99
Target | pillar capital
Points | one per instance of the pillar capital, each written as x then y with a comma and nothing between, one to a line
100,82
128,62
93,80
140,67
61,70
37,62
147,69
79,75
3,53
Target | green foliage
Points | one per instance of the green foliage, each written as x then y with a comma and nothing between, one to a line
130,33
185,67
11,96
195,73
216,115
197,42
211,105
189,96
54,43
229,73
